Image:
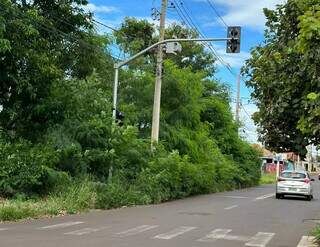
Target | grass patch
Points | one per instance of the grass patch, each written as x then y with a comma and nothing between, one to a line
316,234
267,178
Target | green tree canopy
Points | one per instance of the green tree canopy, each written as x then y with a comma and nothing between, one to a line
42,42
284,74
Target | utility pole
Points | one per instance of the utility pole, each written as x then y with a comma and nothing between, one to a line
238,100
157,90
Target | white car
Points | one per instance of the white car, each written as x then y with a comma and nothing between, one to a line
296,183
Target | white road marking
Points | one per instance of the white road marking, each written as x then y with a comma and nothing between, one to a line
175,232
223,234
264,196
261,239
215,234
4,229
236,197
231,207
137,230
62,225
307,241
84,231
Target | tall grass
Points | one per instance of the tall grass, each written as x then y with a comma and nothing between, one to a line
316,234
267,178
75,197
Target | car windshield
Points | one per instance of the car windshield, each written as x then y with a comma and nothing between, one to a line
296,175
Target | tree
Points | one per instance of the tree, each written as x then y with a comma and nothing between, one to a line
282,74
136,35
41,43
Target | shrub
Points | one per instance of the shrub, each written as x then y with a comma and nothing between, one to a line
23,166
118,194
77,196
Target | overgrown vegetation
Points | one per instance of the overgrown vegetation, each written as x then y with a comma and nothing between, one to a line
316,234
56,128
268,178
284,75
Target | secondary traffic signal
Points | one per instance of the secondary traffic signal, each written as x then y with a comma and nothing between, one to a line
234,35
119,117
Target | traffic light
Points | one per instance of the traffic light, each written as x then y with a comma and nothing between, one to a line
234,35
119,117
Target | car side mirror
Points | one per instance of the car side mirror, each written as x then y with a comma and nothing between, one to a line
312,179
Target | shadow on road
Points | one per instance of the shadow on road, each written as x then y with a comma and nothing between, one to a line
297,198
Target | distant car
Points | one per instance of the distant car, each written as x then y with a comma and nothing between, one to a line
296,183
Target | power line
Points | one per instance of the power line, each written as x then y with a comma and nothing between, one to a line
216,12
60,33
105,25
197,28
244,109
188,20
63,20
185,17
93,20
211,47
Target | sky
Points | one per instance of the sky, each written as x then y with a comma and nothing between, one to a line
211,18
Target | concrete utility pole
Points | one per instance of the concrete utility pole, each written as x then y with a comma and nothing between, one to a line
157,89
238,100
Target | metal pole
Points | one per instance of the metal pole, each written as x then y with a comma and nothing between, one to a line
114,112
115,92
238,99
157,90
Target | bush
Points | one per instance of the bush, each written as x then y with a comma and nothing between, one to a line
118,194
23,167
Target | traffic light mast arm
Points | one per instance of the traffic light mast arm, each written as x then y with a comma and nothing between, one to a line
117,66
120,64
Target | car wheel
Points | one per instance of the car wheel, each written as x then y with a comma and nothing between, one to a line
309,198
278,196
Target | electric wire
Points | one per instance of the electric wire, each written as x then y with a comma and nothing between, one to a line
184,18
60,33
211,47
216,12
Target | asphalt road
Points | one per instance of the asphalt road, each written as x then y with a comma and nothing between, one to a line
249,217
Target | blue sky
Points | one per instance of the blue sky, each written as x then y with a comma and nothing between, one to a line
245,13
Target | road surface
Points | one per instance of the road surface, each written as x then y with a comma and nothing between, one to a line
248,217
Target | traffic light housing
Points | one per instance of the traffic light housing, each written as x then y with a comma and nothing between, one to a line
233,42
119,117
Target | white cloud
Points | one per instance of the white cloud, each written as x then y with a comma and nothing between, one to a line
99,8
246,13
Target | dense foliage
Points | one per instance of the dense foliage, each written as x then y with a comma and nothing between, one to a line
56,126
284,73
